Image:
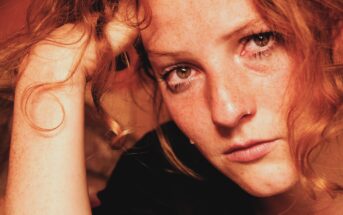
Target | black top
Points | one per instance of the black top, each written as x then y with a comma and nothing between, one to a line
144,183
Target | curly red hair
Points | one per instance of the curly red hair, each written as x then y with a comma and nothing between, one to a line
316,113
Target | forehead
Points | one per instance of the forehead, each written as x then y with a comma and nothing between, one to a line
178,20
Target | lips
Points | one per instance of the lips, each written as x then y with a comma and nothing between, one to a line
249,151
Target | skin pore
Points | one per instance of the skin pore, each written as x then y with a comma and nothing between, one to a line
224,75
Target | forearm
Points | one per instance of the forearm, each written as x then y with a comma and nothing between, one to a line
47,168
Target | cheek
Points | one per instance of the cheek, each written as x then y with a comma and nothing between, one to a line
273,91
192,115
189,110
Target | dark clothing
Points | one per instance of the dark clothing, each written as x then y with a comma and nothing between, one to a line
145,183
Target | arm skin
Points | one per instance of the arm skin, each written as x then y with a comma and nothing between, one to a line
47,169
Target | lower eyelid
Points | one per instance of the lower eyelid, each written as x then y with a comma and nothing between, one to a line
185,83
249,53
185,80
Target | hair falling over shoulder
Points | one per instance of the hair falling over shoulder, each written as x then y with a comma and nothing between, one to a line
44,17
315,121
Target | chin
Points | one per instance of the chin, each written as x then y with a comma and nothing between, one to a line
271,183
266,178
269,190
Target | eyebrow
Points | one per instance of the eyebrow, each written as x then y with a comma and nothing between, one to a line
237,30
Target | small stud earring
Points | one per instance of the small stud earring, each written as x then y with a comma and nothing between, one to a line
191,141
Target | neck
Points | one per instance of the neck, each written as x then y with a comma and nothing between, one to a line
298,201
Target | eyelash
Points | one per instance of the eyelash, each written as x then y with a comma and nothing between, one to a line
177,87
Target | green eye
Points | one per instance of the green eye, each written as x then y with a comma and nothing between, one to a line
183,72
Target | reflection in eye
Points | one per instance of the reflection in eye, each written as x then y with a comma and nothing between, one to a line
179,77
262,39
183,72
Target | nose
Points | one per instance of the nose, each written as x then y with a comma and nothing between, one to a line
230,101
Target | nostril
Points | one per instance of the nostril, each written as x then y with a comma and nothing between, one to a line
224,131
230,117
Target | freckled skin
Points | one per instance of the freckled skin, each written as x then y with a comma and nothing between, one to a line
231,97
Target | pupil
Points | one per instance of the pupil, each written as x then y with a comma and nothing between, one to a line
183,72
262,40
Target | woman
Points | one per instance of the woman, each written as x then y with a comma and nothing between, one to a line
254,86
235,81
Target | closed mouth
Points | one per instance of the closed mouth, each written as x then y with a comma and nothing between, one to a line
249,151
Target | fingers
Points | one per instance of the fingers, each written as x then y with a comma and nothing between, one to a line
121,30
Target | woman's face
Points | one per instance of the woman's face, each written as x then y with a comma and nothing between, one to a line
223,74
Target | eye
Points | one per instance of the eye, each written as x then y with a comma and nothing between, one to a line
262,40
183,72
258,45
178,78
